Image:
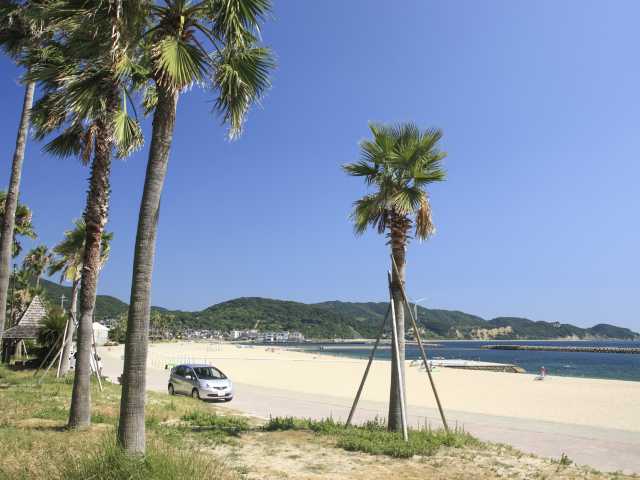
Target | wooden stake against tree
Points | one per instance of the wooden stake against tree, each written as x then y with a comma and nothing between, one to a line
366,370
423,353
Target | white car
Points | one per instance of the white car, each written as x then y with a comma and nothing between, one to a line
203,382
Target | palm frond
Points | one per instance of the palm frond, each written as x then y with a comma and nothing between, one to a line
127,134
362,169
233,19
241,78
179,64
67,144
424,221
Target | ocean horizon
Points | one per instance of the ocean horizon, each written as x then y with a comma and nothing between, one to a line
612,366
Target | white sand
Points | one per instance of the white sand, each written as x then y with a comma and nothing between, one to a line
590,402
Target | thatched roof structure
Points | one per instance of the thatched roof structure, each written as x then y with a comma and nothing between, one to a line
30,322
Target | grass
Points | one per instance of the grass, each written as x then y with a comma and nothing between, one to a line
36,445
374,438
161,462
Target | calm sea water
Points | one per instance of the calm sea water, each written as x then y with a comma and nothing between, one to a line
592,365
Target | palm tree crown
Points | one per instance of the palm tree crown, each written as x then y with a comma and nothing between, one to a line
70,252
400,162
23,224
37,261
213,44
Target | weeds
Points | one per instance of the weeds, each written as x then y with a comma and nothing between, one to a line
160,462
229,425
373,438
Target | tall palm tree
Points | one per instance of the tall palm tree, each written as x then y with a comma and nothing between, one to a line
37,260
17,36
22,225
212,43
399,162
69,263
85,76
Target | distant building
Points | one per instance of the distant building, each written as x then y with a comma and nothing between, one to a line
100,333
296,337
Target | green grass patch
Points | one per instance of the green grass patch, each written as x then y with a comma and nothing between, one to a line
230,425
374,438
160,462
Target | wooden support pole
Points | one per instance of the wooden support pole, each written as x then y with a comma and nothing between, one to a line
53,347
95,357
64,342
423,353
394,325
366,370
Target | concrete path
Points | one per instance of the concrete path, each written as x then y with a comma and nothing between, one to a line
603,449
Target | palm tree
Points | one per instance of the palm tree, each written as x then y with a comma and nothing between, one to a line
17,36
22,223
212,43
399,163
85,76
37,261
69,263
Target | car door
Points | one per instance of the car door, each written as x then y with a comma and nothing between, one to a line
189,383
178,379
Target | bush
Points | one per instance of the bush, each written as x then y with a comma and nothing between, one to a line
160,462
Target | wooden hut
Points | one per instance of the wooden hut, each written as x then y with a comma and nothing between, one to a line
26,329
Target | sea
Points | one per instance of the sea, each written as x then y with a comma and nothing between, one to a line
619,366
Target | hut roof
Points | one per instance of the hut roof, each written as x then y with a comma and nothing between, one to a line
30,321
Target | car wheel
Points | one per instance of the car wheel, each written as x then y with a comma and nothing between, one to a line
171,390
195,394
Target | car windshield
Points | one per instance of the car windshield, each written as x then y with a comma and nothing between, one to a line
209,373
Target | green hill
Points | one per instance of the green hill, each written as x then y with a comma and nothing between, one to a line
106,305
337,319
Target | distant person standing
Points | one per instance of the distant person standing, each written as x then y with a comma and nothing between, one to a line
543,373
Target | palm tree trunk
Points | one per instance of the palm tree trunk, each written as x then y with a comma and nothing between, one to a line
64,367
95,217
8,223
399,230
131,432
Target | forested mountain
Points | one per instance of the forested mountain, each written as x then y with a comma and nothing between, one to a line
337,319
106,305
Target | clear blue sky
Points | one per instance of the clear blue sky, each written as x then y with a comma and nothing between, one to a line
540,106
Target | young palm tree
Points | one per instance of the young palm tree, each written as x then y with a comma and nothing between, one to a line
69,262
399,163
85,76
22,224
17,36
37,261
235,67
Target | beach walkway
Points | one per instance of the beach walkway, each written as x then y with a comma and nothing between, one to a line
586,443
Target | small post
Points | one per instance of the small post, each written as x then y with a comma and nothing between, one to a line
95,357
64,343
423,353
403,412
366,370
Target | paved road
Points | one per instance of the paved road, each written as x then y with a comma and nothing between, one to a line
601,448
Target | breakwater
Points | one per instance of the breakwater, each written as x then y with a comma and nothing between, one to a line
555,348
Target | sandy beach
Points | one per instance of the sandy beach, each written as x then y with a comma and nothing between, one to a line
546,418
592,402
